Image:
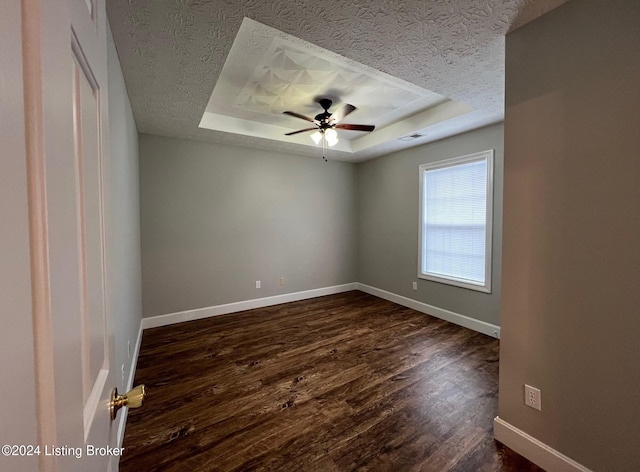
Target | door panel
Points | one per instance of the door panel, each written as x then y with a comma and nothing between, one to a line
88,47
87,119
86,134
66,135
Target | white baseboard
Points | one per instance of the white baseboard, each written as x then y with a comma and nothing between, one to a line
199,313
132,372
533,449
456,318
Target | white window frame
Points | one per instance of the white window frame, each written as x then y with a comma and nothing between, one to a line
458,282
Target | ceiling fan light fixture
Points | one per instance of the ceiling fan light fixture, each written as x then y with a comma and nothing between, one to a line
326,122
331,136
317,136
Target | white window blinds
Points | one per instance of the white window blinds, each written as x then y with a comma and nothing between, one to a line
455,220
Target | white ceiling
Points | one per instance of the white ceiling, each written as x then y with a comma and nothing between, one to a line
434,68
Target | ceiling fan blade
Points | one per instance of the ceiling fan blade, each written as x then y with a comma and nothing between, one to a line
341,113
300,131
356,127
298,115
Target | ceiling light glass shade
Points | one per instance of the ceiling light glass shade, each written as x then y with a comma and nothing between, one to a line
317,136
332,142
331,136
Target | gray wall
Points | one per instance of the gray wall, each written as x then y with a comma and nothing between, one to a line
216,218
388,205
125,299
571,252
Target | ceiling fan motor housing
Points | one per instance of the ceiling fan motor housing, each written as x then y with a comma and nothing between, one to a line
323,117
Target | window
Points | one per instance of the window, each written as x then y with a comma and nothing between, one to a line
456,202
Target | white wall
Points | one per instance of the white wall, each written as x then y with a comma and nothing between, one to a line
125,297
571,234
216,218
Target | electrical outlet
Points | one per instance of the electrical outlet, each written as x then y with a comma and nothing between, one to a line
257,284
532,397
414,285
281,280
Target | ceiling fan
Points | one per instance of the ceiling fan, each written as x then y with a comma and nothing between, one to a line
326,123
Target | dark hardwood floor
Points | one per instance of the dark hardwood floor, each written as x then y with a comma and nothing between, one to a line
338,383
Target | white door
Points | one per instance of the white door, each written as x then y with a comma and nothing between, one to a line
62,123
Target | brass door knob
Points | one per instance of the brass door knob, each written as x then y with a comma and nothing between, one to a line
133,399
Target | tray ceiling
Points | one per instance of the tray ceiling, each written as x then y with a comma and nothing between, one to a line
428,68
287,73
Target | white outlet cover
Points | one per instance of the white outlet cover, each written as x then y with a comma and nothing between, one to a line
532,397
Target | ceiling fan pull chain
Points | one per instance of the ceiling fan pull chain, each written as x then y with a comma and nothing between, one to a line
324,148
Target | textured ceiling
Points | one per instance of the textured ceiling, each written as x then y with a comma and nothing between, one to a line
172,53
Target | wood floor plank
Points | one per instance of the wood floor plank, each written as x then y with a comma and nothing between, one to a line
338,383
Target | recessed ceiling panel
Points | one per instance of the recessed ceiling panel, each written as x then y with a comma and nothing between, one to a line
290,78
268,72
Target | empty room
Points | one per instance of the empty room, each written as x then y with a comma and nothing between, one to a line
320,236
